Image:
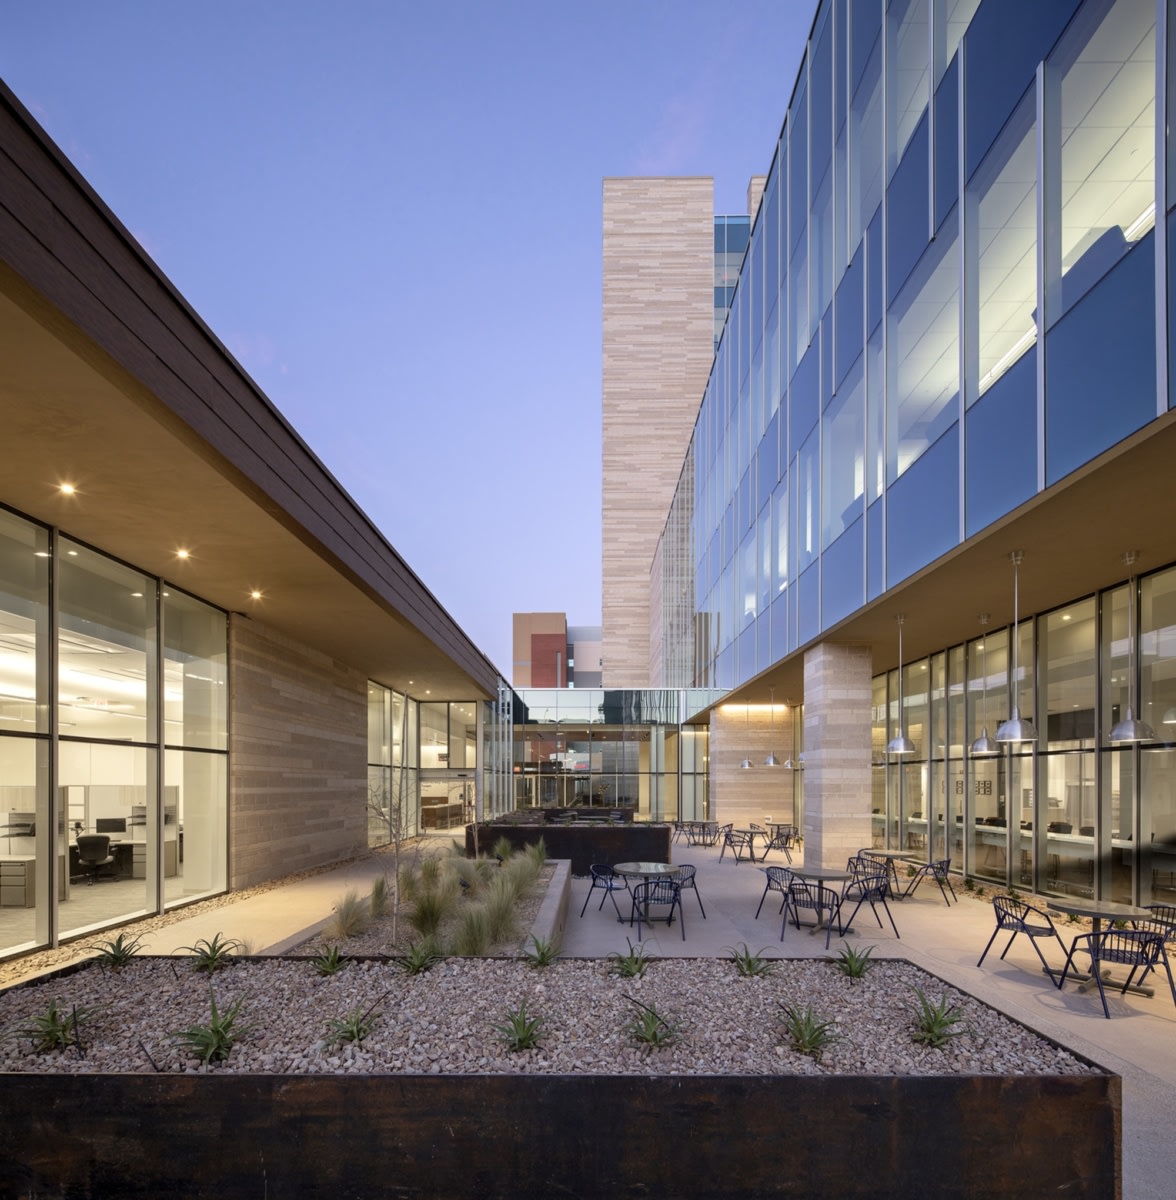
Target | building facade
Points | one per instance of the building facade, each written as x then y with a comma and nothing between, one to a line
214,670
949,342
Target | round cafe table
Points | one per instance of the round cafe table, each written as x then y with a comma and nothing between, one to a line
1099,911
645,870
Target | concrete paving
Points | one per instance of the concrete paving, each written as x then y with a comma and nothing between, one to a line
1138,1042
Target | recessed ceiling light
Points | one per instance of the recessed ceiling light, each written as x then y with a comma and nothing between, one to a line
183,553
72,553
66,489
41,553
254,594
1065,616
137,595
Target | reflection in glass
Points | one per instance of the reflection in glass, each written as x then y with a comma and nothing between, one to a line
24,614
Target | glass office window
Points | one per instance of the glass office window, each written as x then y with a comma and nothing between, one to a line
1104,134
800,316
952,18
946,173
780,537
907,46
195,673
195,825
764,540
1157,825
917,532
24,625
923,355
1157,651
808,499
463,734
906,214
106,648
1002,239
434,735
850,328
25,841
843,458
843,574
748,580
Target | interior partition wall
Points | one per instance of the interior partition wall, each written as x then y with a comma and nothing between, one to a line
113,740
1074,813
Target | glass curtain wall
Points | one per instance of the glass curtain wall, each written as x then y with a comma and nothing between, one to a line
1073,814
888,326
130,816
392,802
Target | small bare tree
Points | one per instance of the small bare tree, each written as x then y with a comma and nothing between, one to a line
396,814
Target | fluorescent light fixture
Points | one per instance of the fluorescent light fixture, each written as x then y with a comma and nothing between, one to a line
1141,224
1007,359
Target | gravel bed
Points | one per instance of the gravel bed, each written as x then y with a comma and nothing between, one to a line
443,1020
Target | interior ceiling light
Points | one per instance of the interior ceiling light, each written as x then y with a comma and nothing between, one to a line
255,594
183,554
1015,729
772,760
984,745
67,489
1130,729
900,743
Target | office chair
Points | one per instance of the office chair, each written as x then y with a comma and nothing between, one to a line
94,854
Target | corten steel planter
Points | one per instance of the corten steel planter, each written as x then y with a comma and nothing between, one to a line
451,1137
584,844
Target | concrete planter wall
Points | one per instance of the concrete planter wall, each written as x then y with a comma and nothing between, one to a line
542,1136
583,844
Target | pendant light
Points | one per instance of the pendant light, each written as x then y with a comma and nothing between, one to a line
772,760
1015,729
984,745
746,764
1130,729
791,763
900,744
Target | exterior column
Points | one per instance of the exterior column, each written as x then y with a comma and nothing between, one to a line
837,726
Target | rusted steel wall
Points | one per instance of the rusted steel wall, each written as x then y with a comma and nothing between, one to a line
452,1137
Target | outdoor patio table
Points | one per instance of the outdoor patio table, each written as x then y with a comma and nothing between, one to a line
894,857
1099,911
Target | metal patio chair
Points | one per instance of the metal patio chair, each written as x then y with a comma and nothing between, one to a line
871,890
1018,917
784,838
659,892
684,877
818,899
939,871
778,880
1132,948
606,880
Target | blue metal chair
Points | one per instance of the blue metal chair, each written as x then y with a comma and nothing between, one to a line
778,880
684,876
1132,948
816,897
871,890
1018,917
652,892
937,871
606,880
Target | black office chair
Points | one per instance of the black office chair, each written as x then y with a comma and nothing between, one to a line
94,854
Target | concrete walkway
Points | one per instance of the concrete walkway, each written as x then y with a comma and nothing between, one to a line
1138,1042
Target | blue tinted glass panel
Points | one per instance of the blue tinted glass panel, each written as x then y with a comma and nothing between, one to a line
947,142
875,559
1004,43
907,231
874,273
808,500
798,165
738,233
842,566
768,462
1100,367
746,652
850,305
1172,297
809,613
826,332
804,396
922,513
1001,445
821,97
780,645
863,32
725,668
770,219
763,641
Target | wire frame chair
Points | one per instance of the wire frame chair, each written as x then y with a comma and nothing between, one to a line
871,890
939,871
659,892
778,880
684,877
818,899
784,838
606,880
1015,917
1132,948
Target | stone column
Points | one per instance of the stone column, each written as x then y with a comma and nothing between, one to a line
837,695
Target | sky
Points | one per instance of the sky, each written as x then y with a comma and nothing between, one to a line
390,214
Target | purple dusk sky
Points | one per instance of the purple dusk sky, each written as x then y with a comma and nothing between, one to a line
389,212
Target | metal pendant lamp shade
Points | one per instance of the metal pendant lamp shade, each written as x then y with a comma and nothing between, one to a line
746,764
772,760
1131,729
900,744
1016,729
984,745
